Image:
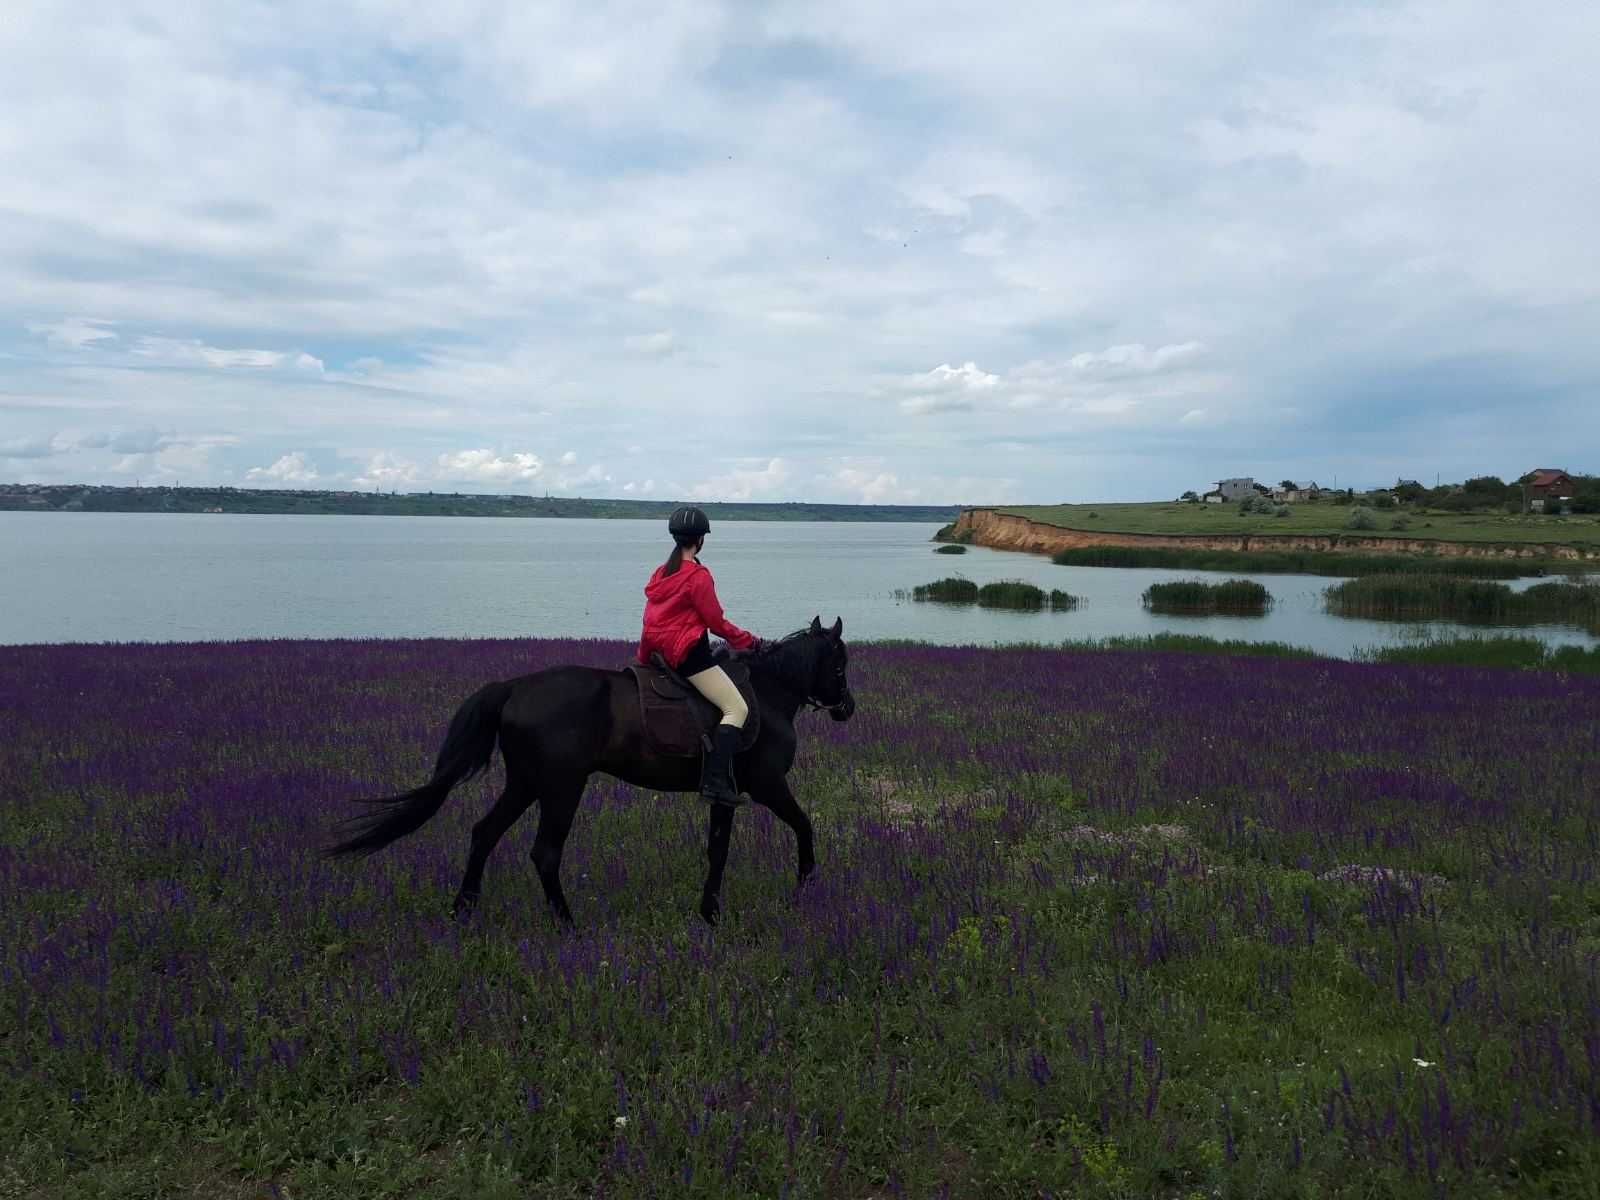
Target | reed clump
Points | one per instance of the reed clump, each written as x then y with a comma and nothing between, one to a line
1239,597
947,591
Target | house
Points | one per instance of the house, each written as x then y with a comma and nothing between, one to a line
1235,489
1548,485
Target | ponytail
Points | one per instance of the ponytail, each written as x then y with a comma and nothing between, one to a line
674,561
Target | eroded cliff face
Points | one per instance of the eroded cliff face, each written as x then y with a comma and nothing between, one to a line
1006,531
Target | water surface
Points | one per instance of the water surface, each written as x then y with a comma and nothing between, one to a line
95,577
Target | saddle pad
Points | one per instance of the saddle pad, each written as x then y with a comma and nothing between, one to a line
675,719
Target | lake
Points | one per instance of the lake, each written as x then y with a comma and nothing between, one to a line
96,577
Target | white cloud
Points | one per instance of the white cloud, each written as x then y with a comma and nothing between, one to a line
385,470
74,333
570,457
1135,358
919,405
745,483
869,487
288,468
485,466
651,343
176,350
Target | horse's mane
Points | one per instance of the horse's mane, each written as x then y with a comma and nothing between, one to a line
776,656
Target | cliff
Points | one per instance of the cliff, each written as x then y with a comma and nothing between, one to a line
1006,531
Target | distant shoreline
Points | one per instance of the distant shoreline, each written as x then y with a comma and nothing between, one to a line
49,498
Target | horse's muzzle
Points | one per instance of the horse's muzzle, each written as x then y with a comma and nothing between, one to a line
845,709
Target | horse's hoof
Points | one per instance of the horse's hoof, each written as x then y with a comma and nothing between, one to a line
464,907
710,909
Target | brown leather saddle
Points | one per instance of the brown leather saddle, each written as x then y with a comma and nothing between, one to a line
678,721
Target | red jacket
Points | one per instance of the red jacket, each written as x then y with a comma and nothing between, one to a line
679,608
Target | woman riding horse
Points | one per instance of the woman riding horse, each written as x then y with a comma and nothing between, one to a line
558,726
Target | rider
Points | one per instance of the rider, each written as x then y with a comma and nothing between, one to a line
680,607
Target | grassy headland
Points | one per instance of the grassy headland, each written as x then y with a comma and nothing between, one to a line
1317,518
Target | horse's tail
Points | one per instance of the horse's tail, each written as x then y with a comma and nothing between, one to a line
466,752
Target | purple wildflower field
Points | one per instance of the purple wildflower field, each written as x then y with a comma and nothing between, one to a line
1085,924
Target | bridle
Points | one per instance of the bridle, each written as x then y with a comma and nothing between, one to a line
841,705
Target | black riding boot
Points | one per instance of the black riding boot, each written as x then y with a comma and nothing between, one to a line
716,778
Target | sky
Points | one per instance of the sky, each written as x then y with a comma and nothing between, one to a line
939,253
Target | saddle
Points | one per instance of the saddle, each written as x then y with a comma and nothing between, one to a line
678,721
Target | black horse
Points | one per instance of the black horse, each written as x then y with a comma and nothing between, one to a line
558,726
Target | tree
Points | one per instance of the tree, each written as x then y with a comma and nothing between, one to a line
1189,498
1287,485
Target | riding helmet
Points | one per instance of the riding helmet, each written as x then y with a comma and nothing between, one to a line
688,522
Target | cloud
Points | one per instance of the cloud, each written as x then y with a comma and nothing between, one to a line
175,350
29,448
1136,358
288,468
446,232
142,441
485,466
656,344
869,487
919,405
745,483
386,470
570,457
74,332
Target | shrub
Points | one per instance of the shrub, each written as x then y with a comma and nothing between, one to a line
1361,518
1400,523
951,549
1281,511
1063,601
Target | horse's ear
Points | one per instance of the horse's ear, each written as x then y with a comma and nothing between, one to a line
816,624
837,631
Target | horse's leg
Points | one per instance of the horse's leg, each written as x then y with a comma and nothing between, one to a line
486,834
775,795
717,854
558,804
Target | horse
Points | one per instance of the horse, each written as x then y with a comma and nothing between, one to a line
558,726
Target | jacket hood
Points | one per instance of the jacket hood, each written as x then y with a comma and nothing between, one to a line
662,587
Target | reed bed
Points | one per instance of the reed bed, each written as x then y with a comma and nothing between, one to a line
1434,598
1302,562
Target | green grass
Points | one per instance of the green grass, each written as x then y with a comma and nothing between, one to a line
1520,652
1238,596
1318,518
1299,562
1190,643
1436,597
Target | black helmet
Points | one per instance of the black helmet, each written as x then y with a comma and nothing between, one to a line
688,522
